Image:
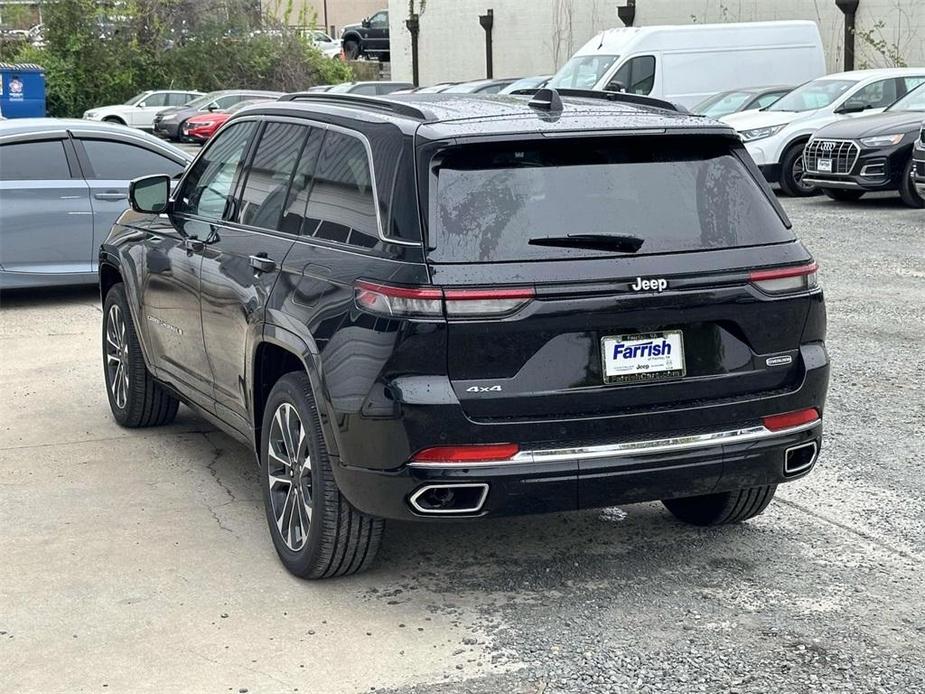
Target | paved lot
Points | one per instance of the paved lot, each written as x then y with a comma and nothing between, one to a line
133,562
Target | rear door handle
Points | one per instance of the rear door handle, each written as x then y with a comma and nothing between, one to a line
261,263
111,196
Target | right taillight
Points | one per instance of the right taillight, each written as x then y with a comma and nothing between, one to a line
785,280
436,302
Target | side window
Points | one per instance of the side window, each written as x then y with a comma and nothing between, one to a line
637,75
297,200
913,82
155,100
177,99
341,206
34,161
227,101
380,20
210,184
267,184
364,89
113,161
876,94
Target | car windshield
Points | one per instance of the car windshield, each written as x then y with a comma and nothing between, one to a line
913,101
135,99
722,104
525,83
202,100
582,71
521,201
343,87
812,95
321,37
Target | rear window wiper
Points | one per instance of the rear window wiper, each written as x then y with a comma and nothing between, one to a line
602,242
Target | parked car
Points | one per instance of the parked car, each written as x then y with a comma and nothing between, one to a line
200,128
169,123
686,64
776,135
63,183
480,86
139,111
367,88
382,285
329,47
431,89
526,85
738,100
918,157
868,154
368,39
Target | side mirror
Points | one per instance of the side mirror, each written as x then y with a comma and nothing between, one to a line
150,194
141,104
212,107
615,86
853,107
365,23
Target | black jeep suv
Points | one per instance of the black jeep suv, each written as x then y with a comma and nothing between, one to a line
446,306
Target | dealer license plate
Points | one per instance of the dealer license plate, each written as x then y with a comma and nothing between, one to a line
825,165
643,357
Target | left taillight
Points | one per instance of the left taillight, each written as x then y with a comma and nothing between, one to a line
785,280
435,302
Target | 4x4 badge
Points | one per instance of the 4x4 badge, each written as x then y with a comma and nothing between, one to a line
657,284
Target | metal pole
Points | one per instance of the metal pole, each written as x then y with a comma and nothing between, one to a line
849,8
414,26
487,21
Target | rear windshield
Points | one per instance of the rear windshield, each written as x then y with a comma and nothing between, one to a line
673,194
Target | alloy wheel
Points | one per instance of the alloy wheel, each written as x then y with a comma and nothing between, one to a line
289,476
799,171
117,356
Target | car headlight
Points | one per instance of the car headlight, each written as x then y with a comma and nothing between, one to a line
881,140
760,133
203,124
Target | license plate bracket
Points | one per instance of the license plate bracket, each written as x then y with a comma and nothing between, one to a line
643,356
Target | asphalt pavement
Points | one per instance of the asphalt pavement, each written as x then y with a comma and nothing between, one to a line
139,561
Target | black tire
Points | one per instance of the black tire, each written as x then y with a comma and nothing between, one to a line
135,398
907,190
351,49
722,508
843,195
340,540
791,173
114,119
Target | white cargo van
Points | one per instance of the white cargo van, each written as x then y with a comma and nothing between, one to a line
685,64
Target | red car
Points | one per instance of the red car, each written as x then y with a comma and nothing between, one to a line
201,128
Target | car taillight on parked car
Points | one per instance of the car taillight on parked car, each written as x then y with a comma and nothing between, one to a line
477,453
789,420
435,302
785,280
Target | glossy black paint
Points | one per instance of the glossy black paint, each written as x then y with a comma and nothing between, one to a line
216,329
893,158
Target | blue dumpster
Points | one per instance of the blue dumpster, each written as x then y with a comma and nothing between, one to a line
22,90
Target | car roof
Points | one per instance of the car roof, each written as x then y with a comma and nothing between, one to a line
45,126
875,73
459,115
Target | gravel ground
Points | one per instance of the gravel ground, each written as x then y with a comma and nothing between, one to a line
822,593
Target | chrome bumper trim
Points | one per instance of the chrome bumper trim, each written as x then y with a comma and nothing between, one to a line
631,448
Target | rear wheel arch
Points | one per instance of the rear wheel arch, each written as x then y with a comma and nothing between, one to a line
114,119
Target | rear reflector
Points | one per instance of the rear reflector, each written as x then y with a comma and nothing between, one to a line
784,280
480,453
434,302
779,422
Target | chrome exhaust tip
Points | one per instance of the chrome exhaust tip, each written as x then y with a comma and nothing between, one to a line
449,499
799,459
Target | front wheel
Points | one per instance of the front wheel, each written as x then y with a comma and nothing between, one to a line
907,191
316,532
792,173
135,398
351,49
843,195
722,508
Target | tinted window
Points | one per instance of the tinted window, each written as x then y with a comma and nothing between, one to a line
156,99
341,197
267,182
297,202
674,195
120,161
34,161
209,185
875,95
380,20
637,75
364,89
226,101
177,99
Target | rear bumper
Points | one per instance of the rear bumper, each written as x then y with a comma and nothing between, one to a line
571,479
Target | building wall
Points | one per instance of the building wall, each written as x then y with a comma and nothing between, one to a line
533,37
339,12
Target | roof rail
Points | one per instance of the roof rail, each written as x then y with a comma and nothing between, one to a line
372,102
624,97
